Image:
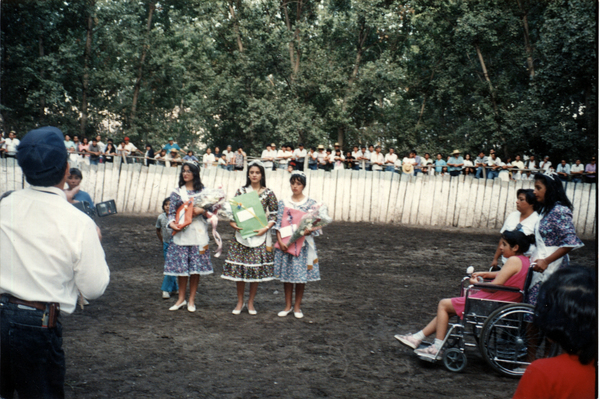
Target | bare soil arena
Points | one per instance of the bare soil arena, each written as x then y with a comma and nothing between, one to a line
377,281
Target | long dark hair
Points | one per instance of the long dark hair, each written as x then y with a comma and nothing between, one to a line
555,193
263,179
516,237
566,311
198,186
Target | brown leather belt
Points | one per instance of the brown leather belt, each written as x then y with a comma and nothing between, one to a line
51,310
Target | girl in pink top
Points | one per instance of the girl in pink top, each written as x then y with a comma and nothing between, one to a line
514,272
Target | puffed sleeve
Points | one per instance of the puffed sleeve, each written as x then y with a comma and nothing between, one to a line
272,207
173,205
559,230
280,207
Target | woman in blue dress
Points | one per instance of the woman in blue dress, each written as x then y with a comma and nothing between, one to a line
301,269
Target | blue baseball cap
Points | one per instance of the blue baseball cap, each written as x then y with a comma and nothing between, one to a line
42,152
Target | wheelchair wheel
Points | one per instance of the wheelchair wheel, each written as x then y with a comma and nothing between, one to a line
509,342
455,360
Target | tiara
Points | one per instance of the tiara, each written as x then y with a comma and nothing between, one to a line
191,162
257,163
552,175
299,173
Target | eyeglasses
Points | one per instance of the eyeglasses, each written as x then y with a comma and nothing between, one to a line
186,171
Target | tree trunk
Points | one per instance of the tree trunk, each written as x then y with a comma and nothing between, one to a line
42,97
138,83
292,49
528,47
487,78
86,75
236,27
424,100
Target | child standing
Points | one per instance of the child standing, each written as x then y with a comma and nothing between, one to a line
165,235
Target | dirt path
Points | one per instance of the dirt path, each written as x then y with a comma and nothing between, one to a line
377,281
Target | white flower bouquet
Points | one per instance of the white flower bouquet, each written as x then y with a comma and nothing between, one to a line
317,216
211,199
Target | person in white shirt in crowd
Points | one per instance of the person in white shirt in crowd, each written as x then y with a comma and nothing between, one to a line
519,164
370,151
130,150
563,170
480,163
208,159
577,170
230,158
468,168
356,155
426,163
51,254
338,160
408,164
274,155
222,162
100,143
504,172
494,164
71,148
523,219
283,157
267,158
321,157
377,160
390,160
336,147
545,165
9,148
329,160
531,164
299,156
527,175
364,158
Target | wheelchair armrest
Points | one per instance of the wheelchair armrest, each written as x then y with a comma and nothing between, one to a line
496,287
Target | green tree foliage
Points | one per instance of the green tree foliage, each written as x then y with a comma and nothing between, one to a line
433,75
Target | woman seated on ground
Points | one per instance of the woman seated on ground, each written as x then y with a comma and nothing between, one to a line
514,244
566,313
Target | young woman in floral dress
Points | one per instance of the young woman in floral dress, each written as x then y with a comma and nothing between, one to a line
250,260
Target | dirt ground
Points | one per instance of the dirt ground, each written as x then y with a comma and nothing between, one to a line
377,281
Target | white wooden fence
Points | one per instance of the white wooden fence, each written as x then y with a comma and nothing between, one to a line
355,196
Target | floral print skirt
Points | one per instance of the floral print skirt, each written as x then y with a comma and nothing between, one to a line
248,264
187,260
296,269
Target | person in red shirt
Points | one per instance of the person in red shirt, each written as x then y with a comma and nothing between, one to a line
566,312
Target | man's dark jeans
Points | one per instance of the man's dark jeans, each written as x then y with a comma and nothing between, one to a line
32,361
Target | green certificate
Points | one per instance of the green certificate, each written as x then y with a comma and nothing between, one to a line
248,213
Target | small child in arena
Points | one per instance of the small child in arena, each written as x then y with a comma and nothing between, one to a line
165,235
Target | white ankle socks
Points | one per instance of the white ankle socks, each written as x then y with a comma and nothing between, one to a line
438,343
420,336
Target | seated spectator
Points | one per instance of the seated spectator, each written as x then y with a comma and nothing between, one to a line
545,164
527,175
439,163
73,182
9,148
95,151
563,170
377,160
389,160
480,163
312,159
191,157
349,162
566,312
207,159
455,163
161,158
514,273
109,152
494,164
517,167
468,168
223,162
590,171
577,170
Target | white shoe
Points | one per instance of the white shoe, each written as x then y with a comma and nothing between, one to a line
431,352
299,314
236,312
166,295
284,313
252,312
191,307
177,307
408,340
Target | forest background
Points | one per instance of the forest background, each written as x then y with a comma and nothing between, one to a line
433,75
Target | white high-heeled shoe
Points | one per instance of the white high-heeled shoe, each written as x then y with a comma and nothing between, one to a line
177,307
284,313
236,312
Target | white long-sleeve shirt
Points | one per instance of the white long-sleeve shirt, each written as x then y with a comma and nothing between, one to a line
49,250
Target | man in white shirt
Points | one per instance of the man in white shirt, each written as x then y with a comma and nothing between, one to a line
390,160
51,253
283,157
274,155
425,162
577,170
299,156
208,159
267,158
363,158
229,158
130,150
9,148
377,159
531,164
545,164
321,157
494,164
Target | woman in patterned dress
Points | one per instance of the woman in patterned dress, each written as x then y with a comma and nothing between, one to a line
555,233
188,255
250,260
301,269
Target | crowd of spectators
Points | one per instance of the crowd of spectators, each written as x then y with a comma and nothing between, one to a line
368,158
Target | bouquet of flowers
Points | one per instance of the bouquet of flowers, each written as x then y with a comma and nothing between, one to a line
211,199
316,216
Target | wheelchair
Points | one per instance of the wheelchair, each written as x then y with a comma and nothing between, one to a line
502,331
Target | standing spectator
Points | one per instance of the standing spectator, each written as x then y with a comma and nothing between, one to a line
468,168
100,143
191,157
217,154
312,159
267,158
2,141
517,163
172,145
531,164
9,148
130,149
364,158
208,159
377,160
426,161
149,156
417,162
95,151
408,164
545,164
161,158
338,160
527,175
165,236
503,172
291,161
439,163
494,163
481,162
122,152
282,157
336,147
83,148
350,162
563,170
299,156
321,157
240,158
590,171
455,163
371,151
356,156
223,162
577,170
174,159
390,160
329,160
71,148
274,155
230,159
109,152
73,182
